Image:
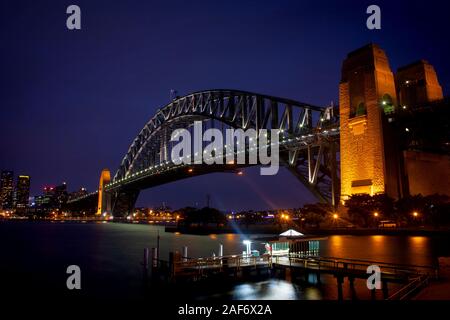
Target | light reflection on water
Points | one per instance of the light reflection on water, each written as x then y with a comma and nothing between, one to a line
272,289
110,255
275,289
415,250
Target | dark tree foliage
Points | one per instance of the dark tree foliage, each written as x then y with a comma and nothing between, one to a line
315,214
362,208
203,216
409,211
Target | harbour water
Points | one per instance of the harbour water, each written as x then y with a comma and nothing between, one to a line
35,255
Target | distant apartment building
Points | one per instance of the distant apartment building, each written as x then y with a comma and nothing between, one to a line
6,189
53,197
22,192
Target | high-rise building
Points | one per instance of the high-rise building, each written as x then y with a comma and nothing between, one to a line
46,200
22,192
52,198
6,189
61,196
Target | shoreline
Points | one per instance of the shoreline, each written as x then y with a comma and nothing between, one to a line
259,229
319,232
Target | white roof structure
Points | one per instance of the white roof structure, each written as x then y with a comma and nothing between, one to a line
291,233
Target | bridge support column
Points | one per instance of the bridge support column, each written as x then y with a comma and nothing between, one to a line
340,280
373,294
351,282
154,265
306,275
185,253
145,266
287,274
385,289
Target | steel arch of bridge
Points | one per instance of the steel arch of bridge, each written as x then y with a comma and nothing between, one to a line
309,138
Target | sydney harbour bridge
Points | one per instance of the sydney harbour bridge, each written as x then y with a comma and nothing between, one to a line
388,135
308,144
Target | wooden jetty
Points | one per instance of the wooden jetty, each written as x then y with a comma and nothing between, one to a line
293,255
239,266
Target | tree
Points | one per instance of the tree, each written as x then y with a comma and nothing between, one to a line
362,208
437,209
432,209
406,207
316,213
203,216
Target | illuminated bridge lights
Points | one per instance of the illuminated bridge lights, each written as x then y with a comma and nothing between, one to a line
168,165
299,125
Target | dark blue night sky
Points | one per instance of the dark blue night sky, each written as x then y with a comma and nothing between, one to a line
72,101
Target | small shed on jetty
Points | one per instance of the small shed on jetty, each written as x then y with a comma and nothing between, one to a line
293,243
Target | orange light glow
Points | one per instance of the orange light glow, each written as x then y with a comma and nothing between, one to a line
230,236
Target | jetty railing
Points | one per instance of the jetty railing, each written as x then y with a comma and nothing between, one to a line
201,265
410,289
355,265
340,266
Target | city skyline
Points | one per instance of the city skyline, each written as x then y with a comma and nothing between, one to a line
14,193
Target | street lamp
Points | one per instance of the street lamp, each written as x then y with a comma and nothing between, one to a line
248,245
415,214
375,214
335,216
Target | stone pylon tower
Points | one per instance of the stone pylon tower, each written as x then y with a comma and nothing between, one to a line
367,96
104,205
418,84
